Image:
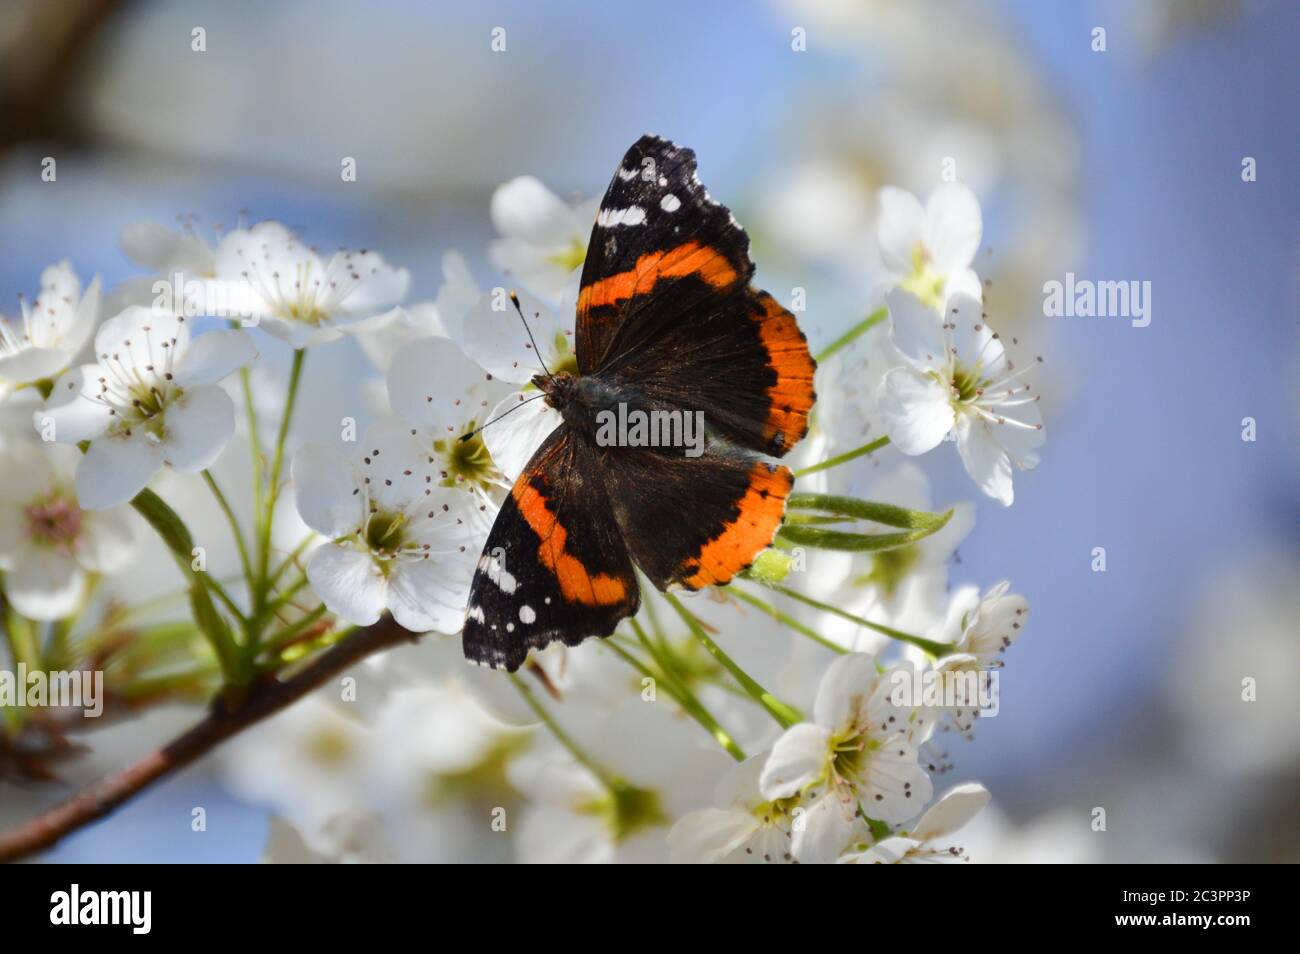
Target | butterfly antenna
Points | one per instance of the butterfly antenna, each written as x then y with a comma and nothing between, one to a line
467,436
538,351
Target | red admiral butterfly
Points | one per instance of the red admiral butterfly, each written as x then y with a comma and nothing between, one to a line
666,321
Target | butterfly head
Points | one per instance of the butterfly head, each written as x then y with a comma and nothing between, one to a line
560,389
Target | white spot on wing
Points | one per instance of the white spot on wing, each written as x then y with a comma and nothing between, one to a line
526,615
670,203
632,215
491,566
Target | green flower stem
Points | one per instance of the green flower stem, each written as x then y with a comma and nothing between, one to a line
303,649
272,492
782,713
787,620
844,458
294,630
238,534
857,331
195,682
289,561
285,598
689,702
254,437
605,777
930,646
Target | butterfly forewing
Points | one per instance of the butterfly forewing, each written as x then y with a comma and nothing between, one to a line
555,565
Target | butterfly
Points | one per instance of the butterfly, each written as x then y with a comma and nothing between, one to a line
667,324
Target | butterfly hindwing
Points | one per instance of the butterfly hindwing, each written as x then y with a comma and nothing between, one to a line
555,565
695,521
659,242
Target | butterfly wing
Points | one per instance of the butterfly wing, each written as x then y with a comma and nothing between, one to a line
694,521
657,231
554,566
666,308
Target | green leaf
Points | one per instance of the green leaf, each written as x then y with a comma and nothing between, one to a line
887,514
173,531
850,542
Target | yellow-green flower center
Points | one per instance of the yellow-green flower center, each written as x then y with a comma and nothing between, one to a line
466,461
890,567
384,531
625,810
966,382
485,780
924,282
571,257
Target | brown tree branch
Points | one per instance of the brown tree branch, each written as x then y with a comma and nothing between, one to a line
263,700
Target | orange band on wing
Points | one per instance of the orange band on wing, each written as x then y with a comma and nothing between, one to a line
761,510
792,395
690,258
577,585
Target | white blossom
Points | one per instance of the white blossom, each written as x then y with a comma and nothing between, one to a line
959,379
150,400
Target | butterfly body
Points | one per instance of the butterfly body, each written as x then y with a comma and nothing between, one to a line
668,327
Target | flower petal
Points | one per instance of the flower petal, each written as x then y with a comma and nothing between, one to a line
984,458
497,339
899,228
76,413
845,686
894,787
44,584
430,594
214,355
107,540
525,209
84,320
706,837
378,285
140,337
394,463
199,424
917,331
115,469
951,812
161,249
972,338
32,364
915,410
458,294
348,583
827,826
324,490
798,759
433,383
514,439
953,227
